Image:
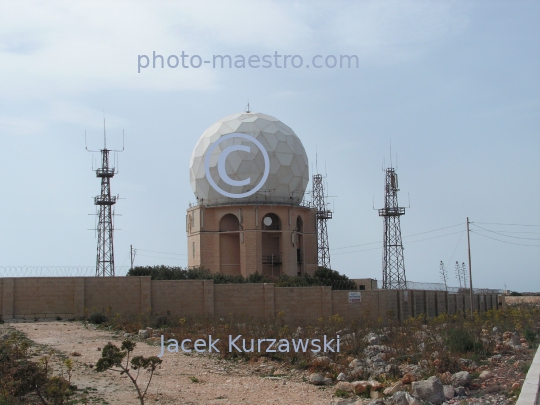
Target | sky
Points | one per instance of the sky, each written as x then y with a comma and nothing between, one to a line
452,86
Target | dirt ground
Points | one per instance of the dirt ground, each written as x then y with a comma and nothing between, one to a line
219,381
520,300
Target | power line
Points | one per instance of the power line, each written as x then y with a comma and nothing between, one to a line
158,257
414,241
454,252
495,223
502,234
165,253
511,243
408,236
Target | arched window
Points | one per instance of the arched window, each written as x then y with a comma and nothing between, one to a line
299,224
229,222
271,222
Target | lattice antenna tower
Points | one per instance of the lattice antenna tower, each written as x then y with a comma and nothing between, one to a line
323,215
393,264
105,207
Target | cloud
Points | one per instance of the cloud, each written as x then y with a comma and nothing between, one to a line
65,48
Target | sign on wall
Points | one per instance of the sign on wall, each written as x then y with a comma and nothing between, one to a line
355,296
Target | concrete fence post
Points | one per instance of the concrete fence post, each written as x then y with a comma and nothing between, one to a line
8,297
78,296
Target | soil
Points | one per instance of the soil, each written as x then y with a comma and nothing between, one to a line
219,381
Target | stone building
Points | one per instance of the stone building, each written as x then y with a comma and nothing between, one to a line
249,173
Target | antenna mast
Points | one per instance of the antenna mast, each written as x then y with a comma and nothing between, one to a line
105,203
393,264
323,215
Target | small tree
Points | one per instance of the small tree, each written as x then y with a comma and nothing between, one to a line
458,273
444,275
112,359
464,274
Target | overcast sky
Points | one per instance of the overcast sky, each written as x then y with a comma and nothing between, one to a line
454,86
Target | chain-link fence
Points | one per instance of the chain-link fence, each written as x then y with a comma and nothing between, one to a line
56,271
414,285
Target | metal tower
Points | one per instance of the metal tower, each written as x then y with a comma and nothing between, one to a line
323,215
104,203
393,264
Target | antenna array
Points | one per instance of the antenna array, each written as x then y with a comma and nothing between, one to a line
393,264
105,204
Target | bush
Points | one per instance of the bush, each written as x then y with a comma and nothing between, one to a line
321,277
459,341
97,318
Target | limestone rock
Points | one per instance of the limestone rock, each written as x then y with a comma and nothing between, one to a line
375,385
143,333
461,379
393,389
373,394
344,386
430,390
355,363
408,378
448,391
402,398
317,379
359,387
460,392
486,374
341,377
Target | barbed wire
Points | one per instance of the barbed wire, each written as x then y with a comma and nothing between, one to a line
56,271
415,285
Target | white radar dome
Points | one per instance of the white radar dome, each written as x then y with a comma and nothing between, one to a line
249,157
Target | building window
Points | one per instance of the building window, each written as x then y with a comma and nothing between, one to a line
362,286
194,249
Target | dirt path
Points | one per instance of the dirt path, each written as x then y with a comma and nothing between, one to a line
220,381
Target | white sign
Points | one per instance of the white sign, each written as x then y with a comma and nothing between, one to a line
355,296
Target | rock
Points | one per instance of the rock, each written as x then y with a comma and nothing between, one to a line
408,378
460,392
372,338
320,361
377,402
430,390
341,377
358,373
496,329
344,386
461,379
318,379
344,401
470,364
486,374
373,394
393,389
448,391
355,363
375,385
402,398
359,387
279,372
143,333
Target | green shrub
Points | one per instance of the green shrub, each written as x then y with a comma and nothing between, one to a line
459,341
97,318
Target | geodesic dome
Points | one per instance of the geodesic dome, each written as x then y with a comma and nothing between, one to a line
249,157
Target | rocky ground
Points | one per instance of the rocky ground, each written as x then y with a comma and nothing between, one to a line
374,377
181,379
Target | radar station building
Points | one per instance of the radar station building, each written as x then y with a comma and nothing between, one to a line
249,173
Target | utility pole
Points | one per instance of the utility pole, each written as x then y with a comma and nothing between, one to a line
470,271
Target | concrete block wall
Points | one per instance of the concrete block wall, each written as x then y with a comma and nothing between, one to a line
66,297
